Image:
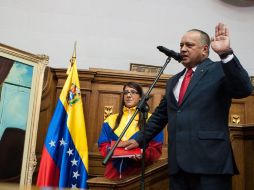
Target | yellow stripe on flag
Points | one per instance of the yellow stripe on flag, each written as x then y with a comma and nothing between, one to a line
72,101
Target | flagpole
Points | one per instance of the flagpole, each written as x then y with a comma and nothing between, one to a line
66,141
72,58
74,51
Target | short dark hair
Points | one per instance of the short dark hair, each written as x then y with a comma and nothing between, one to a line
205,39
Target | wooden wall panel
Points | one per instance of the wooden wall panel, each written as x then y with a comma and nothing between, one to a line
242,138
244,108
99,88
105,98
237,112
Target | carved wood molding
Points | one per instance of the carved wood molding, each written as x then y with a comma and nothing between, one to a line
242,131
23,54
83,74
108,110
120,77
235,119
31,168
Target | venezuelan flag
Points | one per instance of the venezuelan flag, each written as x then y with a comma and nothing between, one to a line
64,161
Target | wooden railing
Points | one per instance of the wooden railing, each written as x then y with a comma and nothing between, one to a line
156,177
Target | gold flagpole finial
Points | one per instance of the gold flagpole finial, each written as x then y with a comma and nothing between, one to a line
74,51
73,58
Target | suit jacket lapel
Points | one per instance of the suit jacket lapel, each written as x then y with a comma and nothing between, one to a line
197,76
171,86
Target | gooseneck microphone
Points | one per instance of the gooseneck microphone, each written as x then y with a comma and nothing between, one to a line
170,53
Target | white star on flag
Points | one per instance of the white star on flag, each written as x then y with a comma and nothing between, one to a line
76,174
62,142
70,152
52,143
73,185
74,162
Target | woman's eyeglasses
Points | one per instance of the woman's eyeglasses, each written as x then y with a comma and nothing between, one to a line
132,92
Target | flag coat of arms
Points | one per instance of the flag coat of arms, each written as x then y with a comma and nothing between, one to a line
64,161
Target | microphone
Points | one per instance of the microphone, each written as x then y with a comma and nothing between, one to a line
170,53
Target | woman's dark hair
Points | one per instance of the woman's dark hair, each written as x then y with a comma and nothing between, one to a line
139,89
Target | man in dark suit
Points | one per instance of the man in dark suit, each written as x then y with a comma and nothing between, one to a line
196,108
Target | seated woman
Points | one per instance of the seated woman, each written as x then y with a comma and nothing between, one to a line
118,168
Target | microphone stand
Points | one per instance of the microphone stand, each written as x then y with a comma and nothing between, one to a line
143,109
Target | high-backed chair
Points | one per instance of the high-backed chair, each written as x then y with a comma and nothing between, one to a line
11,153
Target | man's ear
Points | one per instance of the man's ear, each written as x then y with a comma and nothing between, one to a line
206,50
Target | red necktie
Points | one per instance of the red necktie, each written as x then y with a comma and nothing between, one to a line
184,85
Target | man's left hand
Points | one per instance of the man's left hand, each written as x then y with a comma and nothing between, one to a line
221,42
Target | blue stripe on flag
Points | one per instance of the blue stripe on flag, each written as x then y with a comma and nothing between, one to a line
62,149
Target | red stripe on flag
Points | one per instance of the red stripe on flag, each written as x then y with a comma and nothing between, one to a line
49,172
